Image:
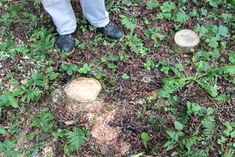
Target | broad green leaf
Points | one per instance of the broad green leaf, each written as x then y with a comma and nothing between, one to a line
223,31
145,138
85,69
64,66
125,76
228,130
178,125
69,71
34,75
213,42
73,67
230,69
174,135
229,153
232,58
203,66
171,133
233,134
8,148
180,67
8,100
151,4
162,93
2,130
181,16
210,111
212,90
208,124
189,142
202,30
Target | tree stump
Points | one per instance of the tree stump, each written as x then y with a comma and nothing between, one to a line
83,90
78,96
185,41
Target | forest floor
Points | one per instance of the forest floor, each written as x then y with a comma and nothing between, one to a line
165,103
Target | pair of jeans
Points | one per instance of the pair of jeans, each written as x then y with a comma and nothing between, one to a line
64,18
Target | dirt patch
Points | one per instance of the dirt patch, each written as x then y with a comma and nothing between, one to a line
98,116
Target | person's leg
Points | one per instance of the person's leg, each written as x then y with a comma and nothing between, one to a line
63,17
94,11
62,14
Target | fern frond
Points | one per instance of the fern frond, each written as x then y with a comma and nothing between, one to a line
128,22
76,139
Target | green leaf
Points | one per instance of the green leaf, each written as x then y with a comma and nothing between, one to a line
210,111
208,124
202,30
128,22
193,108
213,42
145,139
64,66
151,4
85,69
229,153
76,139
212,90
2,130
171,85
69,71
43,121
222,140
8,148
73,67
181,16
137,155
178,125
232,2
232,58
203,66
230,69
189,142
174,135
233,134
125,76
223,31
8,100
34,75
228,130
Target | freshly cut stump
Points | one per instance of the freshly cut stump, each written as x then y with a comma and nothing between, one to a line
185,41
83,90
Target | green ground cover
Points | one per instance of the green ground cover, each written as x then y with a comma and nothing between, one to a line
177,104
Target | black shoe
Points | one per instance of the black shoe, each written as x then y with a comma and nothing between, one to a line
112,31
65,43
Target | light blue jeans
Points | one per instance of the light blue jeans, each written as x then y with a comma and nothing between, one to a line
64,19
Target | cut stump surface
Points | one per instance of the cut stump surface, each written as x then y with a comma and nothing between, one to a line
186,38
185,41
83,89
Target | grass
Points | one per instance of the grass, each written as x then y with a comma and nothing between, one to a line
178,105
